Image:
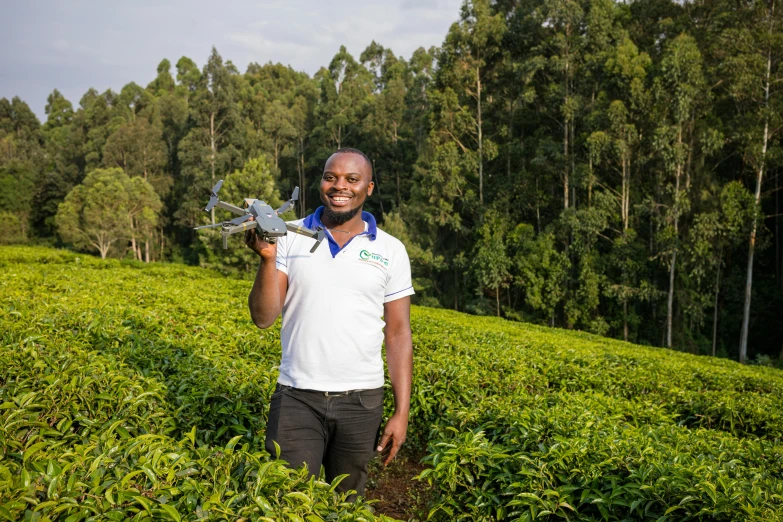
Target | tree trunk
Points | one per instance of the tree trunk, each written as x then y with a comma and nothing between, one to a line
456,289
625,320
302,181
396,166
212,156
626,194
572,128
480,139
778,265
510,140
102,244
566,85
147,251
715,307
497,299
133,243
378,186
566,166
676,215
590,182
538,209
743,351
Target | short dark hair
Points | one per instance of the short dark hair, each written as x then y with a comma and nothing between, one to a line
351,150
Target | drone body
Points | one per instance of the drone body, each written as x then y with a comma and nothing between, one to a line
266,220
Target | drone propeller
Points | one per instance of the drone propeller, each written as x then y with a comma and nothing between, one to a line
240,219
209,226
214,197
290,202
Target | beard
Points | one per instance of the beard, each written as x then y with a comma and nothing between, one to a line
339,218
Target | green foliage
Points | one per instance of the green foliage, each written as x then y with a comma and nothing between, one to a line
254,181
107,208
118,401
12,229
490,261
541,269
612,129
133,391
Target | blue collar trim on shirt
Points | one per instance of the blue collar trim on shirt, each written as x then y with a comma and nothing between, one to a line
314,220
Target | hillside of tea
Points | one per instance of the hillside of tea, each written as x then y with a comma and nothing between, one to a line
132,391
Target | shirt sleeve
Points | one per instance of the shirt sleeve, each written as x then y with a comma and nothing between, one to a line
399,283
282,254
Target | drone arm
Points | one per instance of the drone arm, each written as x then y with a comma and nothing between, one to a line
247,225
290,202
230,208
301,230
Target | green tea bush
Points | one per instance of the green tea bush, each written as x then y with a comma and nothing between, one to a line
132,391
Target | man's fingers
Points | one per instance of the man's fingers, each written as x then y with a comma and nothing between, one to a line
384,441
250,238
395,447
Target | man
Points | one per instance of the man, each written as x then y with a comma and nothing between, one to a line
328,403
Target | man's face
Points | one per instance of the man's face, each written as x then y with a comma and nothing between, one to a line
346,183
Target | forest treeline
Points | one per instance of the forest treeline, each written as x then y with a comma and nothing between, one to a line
609,167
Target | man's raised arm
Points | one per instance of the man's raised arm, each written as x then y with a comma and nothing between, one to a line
269,288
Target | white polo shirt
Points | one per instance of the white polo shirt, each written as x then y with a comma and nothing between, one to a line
332,327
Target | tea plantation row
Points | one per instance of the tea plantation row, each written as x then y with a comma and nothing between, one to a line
141,391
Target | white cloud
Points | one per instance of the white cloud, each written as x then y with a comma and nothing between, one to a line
108,44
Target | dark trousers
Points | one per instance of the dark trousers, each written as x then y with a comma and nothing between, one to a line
338,431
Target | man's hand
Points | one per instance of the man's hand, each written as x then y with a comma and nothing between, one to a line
267,251
393,437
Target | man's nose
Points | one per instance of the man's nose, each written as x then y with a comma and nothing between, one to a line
340,183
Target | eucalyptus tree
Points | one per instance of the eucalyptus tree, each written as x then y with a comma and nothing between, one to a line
490,261
540,270
715,233
752,57
385,126
138,148
680,94
278,107
209,150
142,210
561,25
63,138
465,64
346,90
163,83
20,133
103,210
417,104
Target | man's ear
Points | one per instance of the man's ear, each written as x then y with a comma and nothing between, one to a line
370,186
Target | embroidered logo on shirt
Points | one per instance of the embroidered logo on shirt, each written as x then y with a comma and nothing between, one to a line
375,259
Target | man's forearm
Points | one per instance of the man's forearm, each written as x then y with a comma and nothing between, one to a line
264,300
399,359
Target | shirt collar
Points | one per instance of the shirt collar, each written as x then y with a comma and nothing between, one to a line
314,220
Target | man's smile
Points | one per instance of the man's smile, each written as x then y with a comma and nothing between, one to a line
339,200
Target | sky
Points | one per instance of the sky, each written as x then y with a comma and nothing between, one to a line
77,44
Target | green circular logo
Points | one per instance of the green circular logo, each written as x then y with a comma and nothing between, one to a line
364,254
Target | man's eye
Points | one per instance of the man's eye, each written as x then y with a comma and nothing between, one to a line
353,180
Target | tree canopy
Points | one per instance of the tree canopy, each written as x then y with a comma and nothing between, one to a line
607,166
